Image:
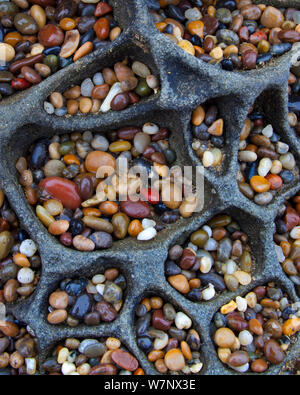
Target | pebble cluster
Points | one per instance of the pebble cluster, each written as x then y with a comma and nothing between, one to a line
167,337
208,132
266,163
237,34
255,332
109,89
287,239
19,259
217,257
59,177
39,37
294,100
18,348
92,357
90,301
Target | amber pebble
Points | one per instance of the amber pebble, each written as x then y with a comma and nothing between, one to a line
180,283
102,9
259,366
9,328
12,38
73,93
100,91
196,28
97,159
255,327
57,317
51,36
10,291
58,227
291,326
198,116
135,227
85,49
273,327
216,129
174,360
260,184
67,24
85,105
109,208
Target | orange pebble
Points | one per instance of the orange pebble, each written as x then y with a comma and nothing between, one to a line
85,49
275,181
146,303
260,184
71,159
139,372
252,148
91,211
198,50
67,24
161,26
186,351
195,283
291,326
196,27
135,227
13,38
21,260
286,248
109,208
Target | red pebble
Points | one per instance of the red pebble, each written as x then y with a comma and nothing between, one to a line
102,9
20,83
256,37
151,195
101,28
64,190
66,239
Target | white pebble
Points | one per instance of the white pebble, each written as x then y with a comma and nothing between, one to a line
230,266
247,156
150,128
209,292
86,87
148,223
193,14
282,148
100,288
48,107
245,338
68,368
28,248
208,230
30,365
208,159
196,368
182,321
98,79
63,355
295,233
147,234
241,304
152,81
264,166
205,264
25,275
98,279
288,161
114,91
241,369
159,344
268,131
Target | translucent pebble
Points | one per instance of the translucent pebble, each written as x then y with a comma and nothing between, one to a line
193,14
86,87
207,230
282,148
182,321
30,365
100,288
150,128
48,107
245,338
241,304
211,245
209,292
98,79
264,166
208,159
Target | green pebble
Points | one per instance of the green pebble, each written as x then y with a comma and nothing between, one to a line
52,62
66,147
143,89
